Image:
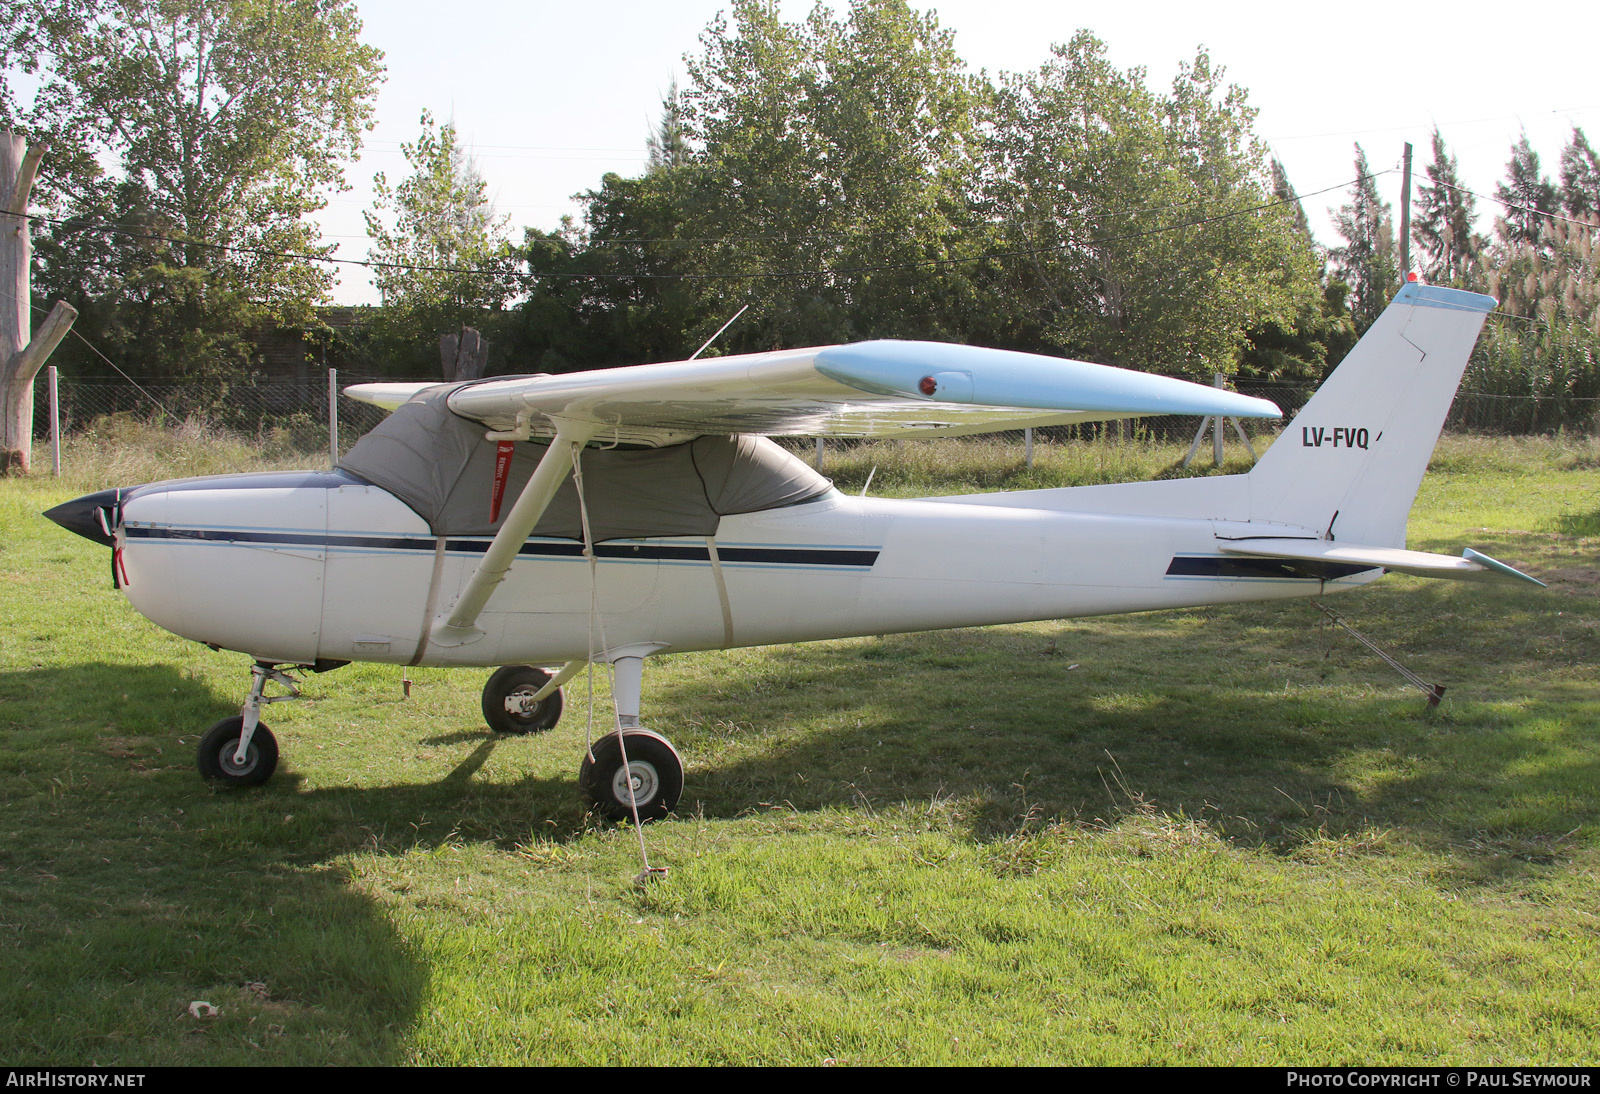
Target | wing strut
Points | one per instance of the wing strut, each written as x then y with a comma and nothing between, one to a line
462,626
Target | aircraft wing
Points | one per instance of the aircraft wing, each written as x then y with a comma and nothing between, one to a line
865,389
1471,565
388,396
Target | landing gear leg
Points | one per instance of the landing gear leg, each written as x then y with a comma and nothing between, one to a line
241,751
632,768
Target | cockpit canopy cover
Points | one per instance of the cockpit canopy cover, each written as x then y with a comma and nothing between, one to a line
442,466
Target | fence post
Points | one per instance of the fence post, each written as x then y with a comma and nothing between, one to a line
55,424
1027,447
333,418
820,444
1217,426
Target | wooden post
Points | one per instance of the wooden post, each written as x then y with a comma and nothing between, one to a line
1217,427
820,444
20,356
463,356
1027,446
1405,218
333,418
55,425
1217,423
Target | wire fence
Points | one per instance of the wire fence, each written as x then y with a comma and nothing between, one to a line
246,408
302,409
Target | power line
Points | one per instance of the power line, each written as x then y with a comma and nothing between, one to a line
1517,208
94,349
990,256
376,264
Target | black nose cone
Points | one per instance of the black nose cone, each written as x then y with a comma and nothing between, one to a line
92,516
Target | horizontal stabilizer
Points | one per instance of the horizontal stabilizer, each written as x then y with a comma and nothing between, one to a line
1472,564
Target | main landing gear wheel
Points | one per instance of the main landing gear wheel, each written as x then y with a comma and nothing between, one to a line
508,705
218,746
654,773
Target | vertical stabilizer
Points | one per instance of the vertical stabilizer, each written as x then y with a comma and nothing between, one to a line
1360,446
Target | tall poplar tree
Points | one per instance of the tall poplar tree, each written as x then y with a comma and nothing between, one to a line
436,239
1367,262
1283,192
1580,177
1140,225
442,256
1528,195
1443,225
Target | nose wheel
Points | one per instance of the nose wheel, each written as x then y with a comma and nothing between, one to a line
241,751
218,755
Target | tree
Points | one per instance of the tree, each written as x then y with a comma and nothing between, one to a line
1300,352
1142,222
442,258
668,145
1529,197
1451,250
822,172
1545,275
21,351
1368,262
191,139
446,251
1580,177
835,158
1283,192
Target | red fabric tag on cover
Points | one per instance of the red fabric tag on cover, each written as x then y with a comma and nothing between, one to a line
502,468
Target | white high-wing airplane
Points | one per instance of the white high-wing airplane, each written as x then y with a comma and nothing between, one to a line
454,533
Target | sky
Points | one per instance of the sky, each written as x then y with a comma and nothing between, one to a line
549,96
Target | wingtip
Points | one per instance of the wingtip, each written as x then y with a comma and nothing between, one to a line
386,395
1499,567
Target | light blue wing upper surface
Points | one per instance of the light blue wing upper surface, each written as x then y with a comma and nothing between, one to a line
865,389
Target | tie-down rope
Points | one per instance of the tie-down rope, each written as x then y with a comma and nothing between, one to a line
597,627
1434,692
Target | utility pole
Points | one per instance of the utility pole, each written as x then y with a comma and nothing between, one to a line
1405,218
20,355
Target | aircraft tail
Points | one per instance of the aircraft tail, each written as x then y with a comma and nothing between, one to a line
1351,461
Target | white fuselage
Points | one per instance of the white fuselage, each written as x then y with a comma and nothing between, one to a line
332,568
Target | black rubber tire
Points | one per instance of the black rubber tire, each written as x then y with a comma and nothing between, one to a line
657,768
215,756
508,681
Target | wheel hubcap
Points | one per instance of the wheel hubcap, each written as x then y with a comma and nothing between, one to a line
225,758
520,704
644,779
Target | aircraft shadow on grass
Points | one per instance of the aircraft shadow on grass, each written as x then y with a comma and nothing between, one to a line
1045,744
1092,746
139,887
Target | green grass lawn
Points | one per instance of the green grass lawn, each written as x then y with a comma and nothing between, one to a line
1224,835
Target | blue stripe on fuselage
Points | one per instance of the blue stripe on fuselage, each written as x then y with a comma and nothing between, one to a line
786,556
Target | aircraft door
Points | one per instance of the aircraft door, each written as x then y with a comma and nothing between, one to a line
541,611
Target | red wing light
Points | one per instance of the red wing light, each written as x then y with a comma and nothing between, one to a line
927,385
